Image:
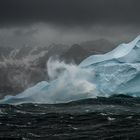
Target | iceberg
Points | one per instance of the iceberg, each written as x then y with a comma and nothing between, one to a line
116,72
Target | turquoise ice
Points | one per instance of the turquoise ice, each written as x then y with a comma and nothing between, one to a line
118,71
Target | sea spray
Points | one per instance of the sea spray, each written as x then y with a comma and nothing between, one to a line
68,82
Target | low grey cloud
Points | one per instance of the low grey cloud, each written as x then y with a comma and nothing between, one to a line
43,22
44,34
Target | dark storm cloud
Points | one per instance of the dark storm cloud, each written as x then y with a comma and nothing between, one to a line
69,12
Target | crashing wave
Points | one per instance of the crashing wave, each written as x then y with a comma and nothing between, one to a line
116,72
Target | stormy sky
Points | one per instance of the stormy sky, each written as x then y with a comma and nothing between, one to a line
42,22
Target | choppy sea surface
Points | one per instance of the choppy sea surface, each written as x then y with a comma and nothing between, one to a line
113,118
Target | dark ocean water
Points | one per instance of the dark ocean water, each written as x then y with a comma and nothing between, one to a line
113,118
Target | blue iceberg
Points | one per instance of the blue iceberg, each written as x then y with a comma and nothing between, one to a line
116,72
